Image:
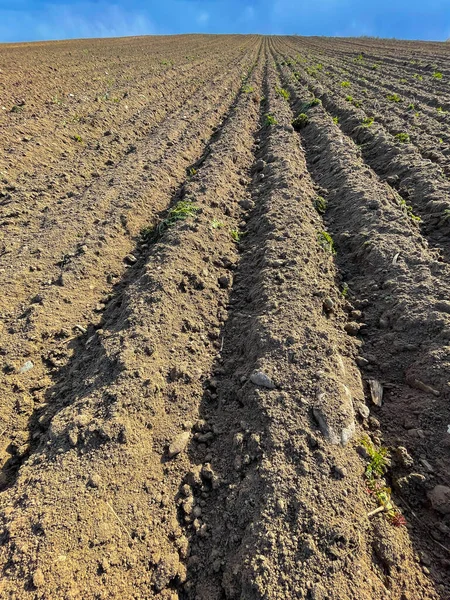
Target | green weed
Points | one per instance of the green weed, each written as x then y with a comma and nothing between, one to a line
402,137
270,119
437,75
283,93
191,171
320,204
418,77
367,121
376,485
393,98
181,211
326,241
379,459
248,89
300,121
215,224
345,83
335,120
77,138
235,235
345,290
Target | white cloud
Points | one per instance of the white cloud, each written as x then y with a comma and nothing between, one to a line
91,20
203,18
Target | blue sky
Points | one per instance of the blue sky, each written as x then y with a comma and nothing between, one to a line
27,20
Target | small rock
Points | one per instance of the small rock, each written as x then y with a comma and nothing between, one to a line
259,166
224,281
356,314
328,304
263,380
404,458
207,472
26,367
246,204
281,504
361,361
374,423
38,578
340,471
94,481
352,328
427,465
363,410
130,259
440,499
178,444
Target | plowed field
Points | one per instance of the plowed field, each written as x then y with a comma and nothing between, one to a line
225,319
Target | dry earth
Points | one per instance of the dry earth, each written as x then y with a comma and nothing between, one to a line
200,305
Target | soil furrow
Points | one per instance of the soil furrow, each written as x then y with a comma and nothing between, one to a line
38,330
133,384
420,184
387,266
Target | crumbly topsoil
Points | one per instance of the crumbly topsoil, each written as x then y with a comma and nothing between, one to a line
197,301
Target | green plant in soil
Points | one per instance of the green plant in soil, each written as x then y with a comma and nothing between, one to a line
248,89
77,138
437,75
320,204
393,98
418,77
402,137
16,108
345,290
411,106
180,212
349,98
235,235
367,121
300,121
216,224
335,120
270,119
283,93
191,171
326,241
376,468
345,83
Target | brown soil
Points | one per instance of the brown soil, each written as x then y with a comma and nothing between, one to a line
184,402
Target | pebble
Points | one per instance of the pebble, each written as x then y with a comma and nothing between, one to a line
38,578
352,328
363,410
94,481
439,497
328,304
340,471
26,367
130,259
403,457
246,204
261,379
224,281
178,444
260,164
361,361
